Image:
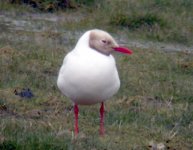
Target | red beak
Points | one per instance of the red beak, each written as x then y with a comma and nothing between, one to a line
123,50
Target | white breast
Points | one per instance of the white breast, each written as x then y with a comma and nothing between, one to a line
88,77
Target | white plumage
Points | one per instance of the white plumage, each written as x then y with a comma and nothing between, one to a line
88,74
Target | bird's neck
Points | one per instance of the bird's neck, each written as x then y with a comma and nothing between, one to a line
83,42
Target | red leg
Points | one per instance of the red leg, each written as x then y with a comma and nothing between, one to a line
76,110
102,130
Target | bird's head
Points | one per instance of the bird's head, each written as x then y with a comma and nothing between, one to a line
104,43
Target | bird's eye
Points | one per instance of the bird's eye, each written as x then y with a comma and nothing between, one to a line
104,41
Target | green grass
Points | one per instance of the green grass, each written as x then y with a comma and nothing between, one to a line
154,103
157,20
160,20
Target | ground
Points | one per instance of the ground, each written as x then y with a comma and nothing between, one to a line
153,108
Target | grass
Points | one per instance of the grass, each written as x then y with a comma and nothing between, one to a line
153,106
152,19
154,102
157,20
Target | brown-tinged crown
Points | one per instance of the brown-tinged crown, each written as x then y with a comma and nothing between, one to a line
102,41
